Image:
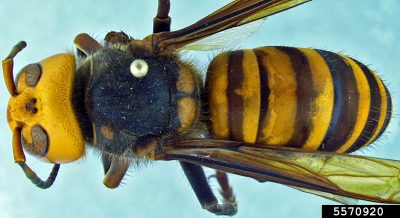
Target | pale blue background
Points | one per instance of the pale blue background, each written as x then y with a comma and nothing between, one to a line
365,29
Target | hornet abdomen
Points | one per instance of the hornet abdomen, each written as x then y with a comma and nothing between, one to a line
296,97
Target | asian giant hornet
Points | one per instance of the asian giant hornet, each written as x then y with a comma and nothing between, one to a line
280,114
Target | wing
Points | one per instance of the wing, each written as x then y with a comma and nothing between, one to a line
329,196
233,15
358,177
224,39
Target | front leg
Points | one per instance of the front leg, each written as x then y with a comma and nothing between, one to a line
114,169
198,181
86,45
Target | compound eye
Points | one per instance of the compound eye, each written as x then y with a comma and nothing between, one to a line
33,73
40,143
139,68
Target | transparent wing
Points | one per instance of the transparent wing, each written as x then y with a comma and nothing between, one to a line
329,196
358,177
233,15
224,39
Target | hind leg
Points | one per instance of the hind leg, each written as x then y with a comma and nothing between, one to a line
206,197
162,22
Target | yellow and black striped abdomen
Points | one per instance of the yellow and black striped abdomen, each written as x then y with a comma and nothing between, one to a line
303,98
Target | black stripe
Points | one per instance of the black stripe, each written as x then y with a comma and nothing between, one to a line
374,109
305,94
264,91
346,95
235,101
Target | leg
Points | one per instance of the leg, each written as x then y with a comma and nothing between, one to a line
200,186
86,45
226,190
162,22
117,38
114,170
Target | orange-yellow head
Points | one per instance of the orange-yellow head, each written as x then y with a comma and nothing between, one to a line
40,111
